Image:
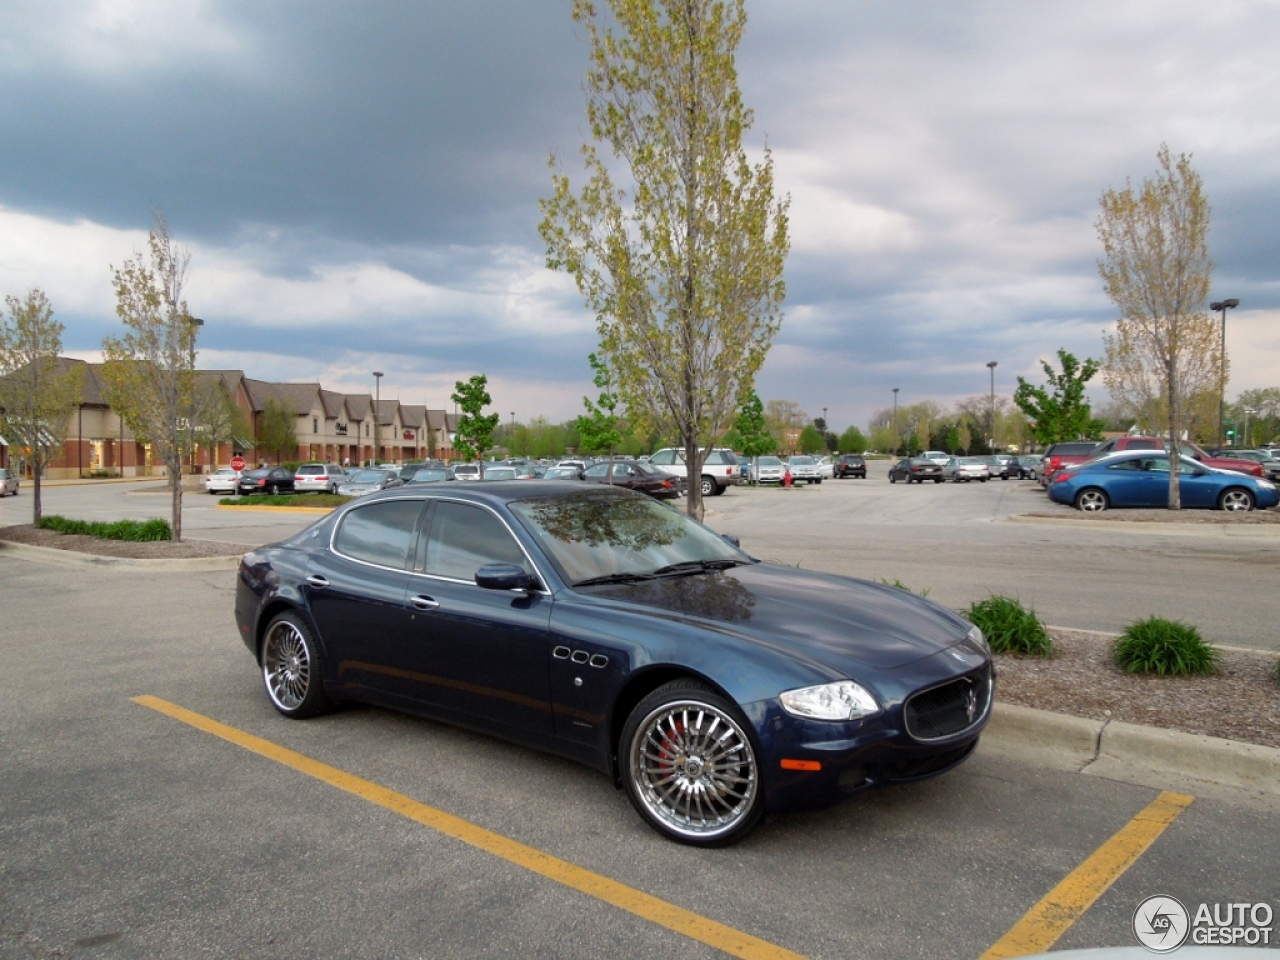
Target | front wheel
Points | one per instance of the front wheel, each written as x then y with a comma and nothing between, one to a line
1092,500
892,478
1235,499
273,490
292,669
708,487
690,767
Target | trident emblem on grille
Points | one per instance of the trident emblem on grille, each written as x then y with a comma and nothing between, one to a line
971,702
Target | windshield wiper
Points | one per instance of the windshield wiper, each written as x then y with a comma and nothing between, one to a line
614,578
697,566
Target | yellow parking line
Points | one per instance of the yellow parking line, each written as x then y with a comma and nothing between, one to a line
1064,904
717,935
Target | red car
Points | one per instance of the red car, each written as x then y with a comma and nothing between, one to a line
1236,464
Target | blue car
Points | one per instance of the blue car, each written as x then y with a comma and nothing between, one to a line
1141,479
603,626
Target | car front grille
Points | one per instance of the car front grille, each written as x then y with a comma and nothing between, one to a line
950,709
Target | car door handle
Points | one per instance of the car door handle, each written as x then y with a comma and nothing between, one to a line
424,603
317,581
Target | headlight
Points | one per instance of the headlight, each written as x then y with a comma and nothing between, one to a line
842,700
979,640
1265,484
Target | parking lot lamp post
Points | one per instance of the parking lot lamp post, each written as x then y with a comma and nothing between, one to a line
191,425
377,424
991,426
1223,306
895,421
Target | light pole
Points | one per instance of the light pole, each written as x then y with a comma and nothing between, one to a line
512,439
377,417
1224,306
991,426
196,322
895,421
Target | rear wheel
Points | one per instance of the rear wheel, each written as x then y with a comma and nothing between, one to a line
892,478
1092,500
273,489
708,487
690,767
1235,499
292,668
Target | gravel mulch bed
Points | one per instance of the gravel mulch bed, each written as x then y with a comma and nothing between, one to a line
154,550
1240,702
1144,515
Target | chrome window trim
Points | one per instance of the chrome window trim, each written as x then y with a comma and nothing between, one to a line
502,520
333,534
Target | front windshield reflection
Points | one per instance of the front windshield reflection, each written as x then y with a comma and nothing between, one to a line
611,532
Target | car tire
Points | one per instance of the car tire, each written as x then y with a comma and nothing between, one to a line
273,489
666,773
1092,500
720,490
1236,499
293,669
708,487
937,479
983,479
892,478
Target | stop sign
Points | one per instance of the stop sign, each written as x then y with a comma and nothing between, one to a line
237,462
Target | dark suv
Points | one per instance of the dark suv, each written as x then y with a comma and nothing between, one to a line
850,465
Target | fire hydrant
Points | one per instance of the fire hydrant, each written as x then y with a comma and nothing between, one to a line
786,478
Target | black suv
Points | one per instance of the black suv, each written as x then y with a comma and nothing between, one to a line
850,465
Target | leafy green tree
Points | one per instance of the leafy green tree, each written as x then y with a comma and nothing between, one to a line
964,436
1157,271
277,431
475,428
852,441
149,369
598,427
683,269
811,441
37,395
1059,410
752,429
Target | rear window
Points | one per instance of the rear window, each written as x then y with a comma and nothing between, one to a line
1082,449
1144,445
310,468
722,456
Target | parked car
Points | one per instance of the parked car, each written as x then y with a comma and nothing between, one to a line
827,468
915,469
1141,479
497,472
767,470
563,473
466,471
998,464
409,470
1059,455
850,465
318,478
641,477
939,457
804,470
967,468
1187,448
430,475
1027,466
359,483
8,483
222,480
719,469
717,688
1270,465
268,480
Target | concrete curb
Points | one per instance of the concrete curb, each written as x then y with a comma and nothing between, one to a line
1130,752
76,559
1258,530
1113,636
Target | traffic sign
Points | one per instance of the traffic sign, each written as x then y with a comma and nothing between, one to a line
237,463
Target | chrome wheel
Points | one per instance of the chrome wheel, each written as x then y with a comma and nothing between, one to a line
286,666
708,487
1091,501
1236,499
693,770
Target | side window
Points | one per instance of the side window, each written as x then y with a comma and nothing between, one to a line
664,458
380,533
597,470
623,470
464,538
1126,465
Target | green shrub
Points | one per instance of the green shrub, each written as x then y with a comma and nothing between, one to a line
1166,647
137,531
1010,627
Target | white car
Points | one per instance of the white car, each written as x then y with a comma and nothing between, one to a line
804,469
767,470
8,483
466,471
936,456
827,468
222,480
966,469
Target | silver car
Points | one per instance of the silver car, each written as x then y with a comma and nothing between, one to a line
8,483
318,478
966,469
767,470
804,469
466,471
360,482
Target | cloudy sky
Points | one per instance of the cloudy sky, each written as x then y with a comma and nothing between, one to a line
358,183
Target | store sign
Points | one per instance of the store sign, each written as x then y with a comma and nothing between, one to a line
340,429
410,435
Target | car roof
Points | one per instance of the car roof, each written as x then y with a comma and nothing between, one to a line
501,492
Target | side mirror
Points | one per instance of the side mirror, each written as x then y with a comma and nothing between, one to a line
729,537
504,576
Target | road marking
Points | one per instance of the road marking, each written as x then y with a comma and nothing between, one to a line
1064,904
713,934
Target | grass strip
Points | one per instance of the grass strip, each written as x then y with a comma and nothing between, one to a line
286,500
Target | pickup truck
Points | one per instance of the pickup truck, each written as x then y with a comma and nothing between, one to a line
719,470
1237,464
1061,455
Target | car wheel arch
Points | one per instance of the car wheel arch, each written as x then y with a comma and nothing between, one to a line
639,686
272,609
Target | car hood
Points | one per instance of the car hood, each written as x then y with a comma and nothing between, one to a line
839,621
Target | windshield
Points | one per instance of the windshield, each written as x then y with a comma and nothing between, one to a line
770,462
429,476
615,535
499,473
368,476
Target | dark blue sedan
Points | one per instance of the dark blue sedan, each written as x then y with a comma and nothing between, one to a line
606,627
1141,479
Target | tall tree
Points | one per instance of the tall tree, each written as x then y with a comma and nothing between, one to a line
148,372
37,395
277,430
752,429
684,268
1059,411
217,419
811,440
1156,269
475,428
852,441
598,427
783,415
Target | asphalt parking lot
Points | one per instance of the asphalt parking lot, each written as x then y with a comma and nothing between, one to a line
125,831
